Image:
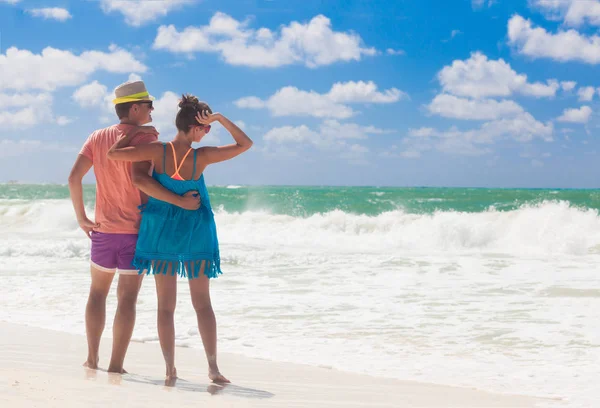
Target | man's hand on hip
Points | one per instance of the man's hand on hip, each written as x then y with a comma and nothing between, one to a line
190,200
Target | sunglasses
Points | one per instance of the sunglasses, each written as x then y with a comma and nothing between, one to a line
207,127
149,103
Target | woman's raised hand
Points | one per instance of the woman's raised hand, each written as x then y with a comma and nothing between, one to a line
206,118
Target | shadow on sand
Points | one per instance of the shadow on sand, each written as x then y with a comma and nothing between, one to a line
211,388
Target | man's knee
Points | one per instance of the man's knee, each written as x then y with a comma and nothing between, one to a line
100,286
97,296
127,300
127,291
127,296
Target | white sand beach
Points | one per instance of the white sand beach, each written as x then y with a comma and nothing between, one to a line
42,368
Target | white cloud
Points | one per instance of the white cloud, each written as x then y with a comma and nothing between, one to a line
564,46
291,134
572,12
17,100
451,106
291,101
312,44
479,77
422,132
363,92
251,102
13,148
391,51
163,116
23,118
51,13
540,90
453,34
452,141
332,129
478,4
568,85
581,115
331,136
24,110
356,148
63,120
92,94
139,12
586,93
537,163
134,77
521,128
410,154
467,90
54,68
329,131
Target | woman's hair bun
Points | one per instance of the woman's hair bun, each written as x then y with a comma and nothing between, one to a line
188,101
189,106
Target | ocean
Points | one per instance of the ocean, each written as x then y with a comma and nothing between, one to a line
497,289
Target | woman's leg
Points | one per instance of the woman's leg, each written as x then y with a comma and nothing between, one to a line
200,292
166,293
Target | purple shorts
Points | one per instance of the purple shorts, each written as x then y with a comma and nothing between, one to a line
114,251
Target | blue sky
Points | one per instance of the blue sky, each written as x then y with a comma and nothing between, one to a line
401,93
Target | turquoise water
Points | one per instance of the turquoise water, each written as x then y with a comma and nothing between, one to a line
307,201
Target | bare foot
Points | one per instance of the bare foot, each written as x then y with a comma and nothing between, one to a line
171,372
91,364
117,370
170,381
170,376
217,377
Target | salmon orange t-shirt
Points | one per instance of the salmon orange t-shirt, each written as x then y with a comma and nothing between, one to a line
117,199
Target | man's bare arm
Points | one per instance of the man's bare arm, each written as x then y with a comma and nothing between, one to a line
82,165
151,187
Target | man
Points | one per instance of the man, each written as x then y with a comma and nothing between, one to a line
117,218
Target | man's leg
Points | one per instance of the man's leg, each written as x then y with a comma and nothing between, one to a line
127,293
95,313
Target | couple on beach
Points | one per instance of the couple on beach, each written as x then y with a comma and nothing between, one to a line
173,235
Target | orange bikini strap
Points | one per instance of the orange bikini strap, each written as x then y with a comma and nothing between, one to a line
183,160
177,168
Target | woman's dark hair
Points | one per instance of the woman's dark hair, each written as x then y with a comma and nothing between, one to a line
189,107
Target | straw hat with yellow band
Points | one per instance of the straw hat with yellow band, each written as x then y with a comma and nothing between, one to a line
131,92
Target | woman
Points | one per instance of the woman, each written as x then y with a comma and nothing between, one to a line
176,242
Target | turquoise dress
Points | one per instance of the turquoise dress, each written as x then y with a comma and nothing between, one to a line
175,237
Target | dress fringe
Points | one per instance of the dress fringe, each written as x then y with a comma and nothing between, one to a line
184,268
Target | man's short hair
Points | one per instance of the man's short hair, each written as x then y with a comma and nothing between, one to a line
123,109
